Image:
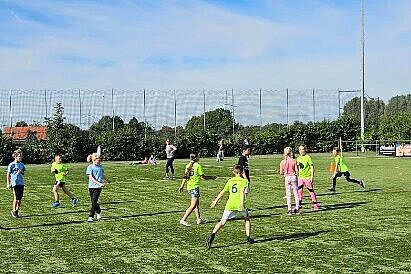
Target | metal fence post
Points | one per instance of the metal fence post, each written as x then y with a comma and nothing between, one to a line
204,110
232,102
112,106
10,112
45,102
261,113
79,98
288,124
313,105
144,115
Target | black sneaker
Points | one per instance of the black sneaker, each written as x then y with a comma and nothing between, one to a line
250,240
209,241
362,184
332,189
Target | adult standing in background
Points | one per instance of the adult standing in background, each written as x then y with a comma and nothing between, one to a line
170,152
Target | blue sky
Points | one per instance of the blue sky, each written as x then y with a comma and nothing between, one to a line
208,44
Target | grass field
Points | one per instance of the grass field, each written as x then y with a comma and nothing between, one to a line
357,231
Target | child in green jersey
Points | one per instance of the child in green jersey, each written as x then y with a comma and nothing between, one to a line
306,176
192,176
237,202
342,169
60,172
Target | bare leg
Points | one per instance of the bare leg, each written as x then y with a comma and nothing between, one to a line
197,210
193,205
247,227
55,193
219,225
65,189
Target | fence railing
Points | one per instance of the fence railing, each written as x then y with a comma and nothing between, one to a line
84,107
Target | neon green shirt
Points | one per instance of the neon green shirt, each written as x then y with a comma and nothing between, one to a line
61,168
304,165
195,176
339,162
235,186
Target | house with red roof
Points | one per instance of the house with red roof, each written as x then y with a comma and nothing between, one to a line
22,133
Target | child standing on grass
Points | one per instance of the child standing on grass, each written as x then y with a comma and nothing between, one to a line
289,168
342,169
14,179
170,153
243,162
60,172
192,176
237,202
306,176
95,173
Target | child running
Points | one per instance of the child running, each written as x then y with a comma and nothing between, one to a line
306,176
60,172
237,202
14,179
192,176
340,169
95,173
289,168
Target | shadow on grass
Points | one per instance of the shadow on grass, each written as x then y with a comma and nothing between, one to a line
144,215
336,207
117,202
347,192
60,213
240,218
283,237
85,220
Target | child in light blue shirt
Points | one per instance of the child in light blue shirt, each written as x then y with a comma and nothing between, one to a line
95,173
14,179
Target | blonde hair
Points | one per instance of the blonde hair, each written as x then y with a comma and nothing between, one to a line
17,152
92,157
288,151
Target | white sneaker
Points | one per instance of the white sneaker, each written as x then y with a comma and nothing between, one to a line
185,223
90,219
98,216
201,221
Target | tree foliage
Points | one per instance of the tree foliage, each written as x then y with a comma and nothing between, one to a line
218,121
21,124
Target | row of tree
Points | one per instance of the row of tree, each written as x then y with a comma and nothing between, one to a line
134,140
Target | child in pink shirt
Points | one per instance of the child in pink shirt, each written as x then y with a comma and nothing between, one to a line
289,168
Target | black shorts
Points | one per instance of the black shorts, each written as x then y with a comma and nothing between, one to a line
345,173
18,191
59,184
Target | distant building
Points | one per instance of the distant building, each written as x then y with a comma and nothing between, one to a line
23,133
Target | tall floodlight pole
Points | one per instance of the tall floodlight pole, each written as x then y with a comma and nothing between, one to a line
362,72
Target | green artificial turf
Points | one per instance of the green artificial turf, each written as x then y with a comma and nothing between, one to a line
357,231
